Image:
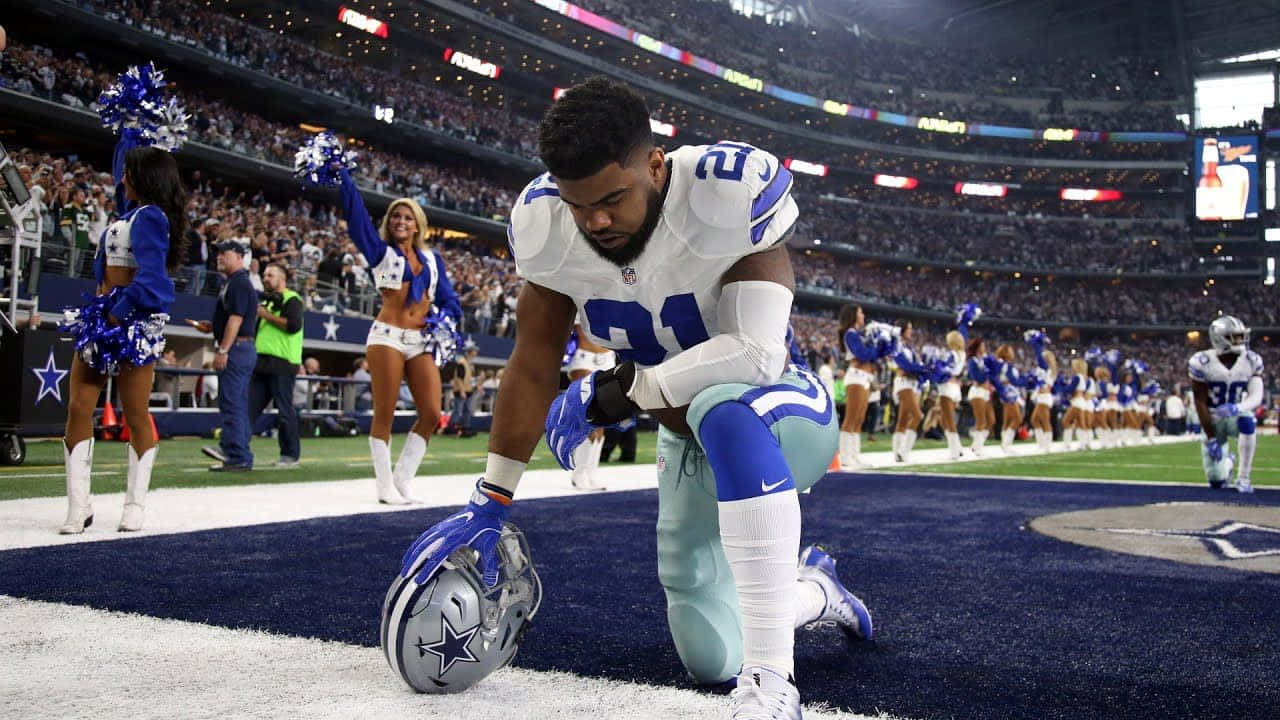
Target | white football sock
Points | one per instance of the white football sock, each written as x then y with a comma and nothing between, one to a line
1246,445
761,539
811,602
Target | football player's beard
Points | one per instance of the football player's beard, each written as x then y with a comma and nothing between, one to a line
636,241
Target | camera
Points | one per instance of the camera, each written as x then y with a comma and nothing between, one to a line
273,301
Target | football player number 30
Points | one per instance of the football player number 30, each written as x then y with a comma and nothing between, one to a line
679,313
1221,393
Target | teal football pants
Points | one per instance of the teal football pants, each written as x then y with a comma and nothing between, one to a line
702,602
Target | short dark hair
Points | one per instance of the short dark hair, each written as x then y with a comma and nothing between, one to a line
598,122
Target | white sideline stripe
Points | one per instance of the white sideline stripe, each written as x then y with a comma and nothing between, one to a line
68,661
33,522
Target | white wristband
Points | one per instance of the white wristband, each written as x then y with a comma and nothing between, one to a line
503,472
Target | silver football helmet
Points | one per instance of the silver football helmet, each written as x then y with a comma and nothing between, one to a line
452,631
1228,335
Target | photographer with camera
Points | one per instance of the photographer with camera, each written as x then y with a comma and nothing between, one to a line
279,344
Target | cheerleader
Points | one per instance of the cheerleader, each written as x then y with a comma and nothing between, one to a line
950,368
1043,381
908,376
584,358
1011,384
1147,410
1126,395
984,416
1075,420
864,352
1104,418
1091,416
119,333
414,333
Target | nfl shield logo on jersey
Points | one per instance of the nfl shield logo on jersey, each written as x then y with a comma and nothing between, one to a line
628,276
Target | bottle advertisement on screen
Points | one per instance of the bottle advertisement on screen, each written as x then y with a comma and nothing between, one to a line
1226,171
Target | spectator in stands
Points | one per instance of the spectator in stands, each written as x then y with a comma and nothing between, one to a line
74,224
279,346
464,385
233,329
364,396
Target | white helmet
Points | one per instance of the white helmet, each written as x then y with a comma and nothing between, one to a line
1228,335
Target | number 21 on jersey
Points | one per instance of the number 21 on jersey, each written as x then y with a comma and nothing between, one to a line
679,314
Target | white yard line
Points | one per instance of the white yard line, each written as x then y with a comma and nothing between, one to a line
63,661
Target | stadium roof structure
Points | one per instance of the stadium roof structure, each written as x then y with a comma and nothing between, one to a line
1210,28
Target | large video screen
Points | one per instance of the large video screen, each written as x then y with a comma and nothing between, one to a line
1226,172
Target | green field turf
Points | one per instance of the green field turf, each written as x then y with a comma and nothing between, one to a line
181,464
1177,462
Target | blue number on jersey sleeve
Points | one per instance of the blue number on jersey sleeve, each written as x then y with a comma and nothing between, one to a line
720,154
679,312
1221,393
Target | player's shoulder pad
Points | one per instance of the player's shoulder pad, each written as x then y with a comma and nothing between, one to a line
536,219
1255,362
1198,365
739,196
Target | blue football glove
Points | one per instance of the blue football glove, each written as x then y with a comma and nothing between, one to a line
567,425
1222,412
595,401
1215,449
478,526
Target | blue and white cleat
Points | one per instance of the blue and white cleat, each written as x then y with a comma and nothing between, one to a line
843,607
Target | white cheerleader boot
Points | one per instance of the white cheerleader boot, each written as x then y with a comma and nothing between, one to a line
953,445
848,450
415,446
908,442
135,494
382,474
1006,441
79,462
979,439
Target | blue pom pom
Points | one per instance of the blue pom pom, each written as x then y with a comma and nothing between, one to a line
106,347
135,104
571,347
320,158
443,338
968,314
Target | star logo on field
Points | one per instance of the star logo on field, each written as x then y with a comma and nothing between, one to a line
1233,540
452,646
50,379
331,329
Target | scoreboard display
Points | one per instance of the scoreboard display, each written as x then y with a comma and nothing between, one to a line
1226,172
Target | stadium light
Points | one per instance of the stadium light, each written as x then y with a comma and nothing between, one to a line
802,166
360,21
896,182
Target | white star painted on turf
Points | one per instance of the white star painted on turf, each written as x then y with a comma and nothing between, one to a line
331,329
1218,537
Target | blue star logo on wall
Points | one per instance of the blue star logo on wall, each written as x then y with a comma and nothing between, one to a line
1231,540
452,646
50,379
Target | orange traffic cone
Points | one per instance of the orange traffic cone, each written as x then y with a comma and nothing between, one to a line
154,432
110,423
124,432
835,463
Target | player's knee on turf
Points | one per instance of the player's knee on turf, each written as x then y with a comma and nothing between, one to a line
704,624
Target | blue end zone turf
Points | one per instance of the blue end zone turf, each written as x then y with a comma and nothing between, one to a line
976,616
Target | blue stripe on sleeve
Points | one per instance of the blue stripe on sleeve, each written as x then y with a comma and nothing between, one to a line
772,193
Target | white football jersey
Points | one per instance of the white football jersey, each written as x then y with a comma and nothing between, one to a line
723,202
1226,384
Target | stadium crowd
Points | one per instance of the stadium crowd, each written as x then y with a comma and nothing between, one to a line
1004,240
831,61
304,64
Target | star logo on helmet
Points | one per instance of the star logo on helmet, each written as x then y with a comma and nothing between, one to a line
451,648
